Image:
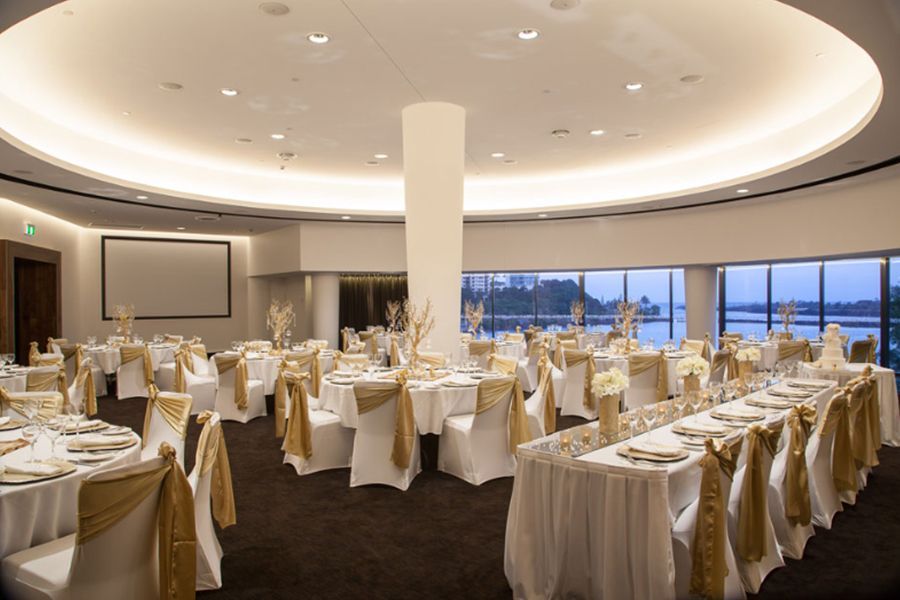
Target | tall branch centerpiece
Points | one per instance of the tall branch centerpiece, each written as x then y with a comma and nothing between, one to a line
474,315
628,320
418,323
788,313
123,315
577,311
279,316
394,315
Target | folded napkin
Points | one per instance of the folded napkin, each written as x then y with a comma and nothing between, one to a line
768,403
808,386
701,428
4,421
655,449
457,383
12,446
92,440
789,394
736,412
342,373
83,425
39,469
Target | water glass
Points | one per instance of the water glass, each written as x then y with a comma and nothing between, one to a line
91,341
695,399
30,434
53,429
632,418
648,414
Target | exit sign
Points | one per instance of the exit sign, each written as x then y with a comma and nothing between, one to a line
29,229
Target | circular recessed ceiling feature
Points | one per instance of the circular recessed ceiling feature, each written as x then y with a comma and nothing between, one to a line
510,161
170,86
229,92
349,101
380,155
372,163
633,86
632,135
317,37
277,136
691,79
528,34
560,133
276,9
564,4
597,132
243,140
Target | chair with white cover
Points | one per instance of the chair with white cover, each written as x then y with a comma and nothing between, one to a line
369,339
790,501
749,522
314,440
482,446
386,445
527,370
541,405
15,404
792,351
831,466
863,351
202,388
45,379
210,481
165,420
505,365
647,379
711,507
865,423
116,556
577,397
73,357
701,348
38,359
719,366
169,338
200,359
432,360
481,350
135,373
347,362
238,398
83,391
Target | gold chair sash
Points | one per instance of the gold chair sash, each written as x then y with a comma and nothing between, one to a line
733,368
372,394
169,338
36,381
753,513
492,391
395,351
481,347
58,341
435,360
35,359
514,337
182,356
309,361
797,509
85,380
720,360
345,339
70,350
370,342
561,347
199,350
789,348
639,363
575,358
699,347
837,421
502,364
708,565
298,439
545,385
565,335
175,409
103,503
225,362
861,406
212,454
130,353
863,351
51,403
62,386
281,392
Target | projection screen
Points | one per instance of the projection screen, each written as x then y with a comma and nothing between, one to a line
166,278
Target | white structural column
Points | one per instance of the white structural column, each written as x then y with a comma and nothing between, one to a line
433,168
325,307
700,290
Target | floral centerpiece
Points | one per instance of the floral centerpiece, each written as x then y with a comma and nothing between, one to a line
691,368
745,358
577,311
474,315
123,315
278,317
418,323
607,386
393,312
788,313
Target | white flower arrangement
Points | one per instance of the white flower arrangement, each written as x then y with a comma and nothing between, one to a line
750,354
692,365
609,382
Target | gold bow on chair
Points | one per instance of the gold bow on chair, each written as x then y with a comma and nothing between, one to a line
225,362
395,351
281,392
103,503
310,362
502,364
837,421
789,348
58,341
754,509
175,409
182,364
35,359
639,363
863,404
298,439
575,358
708,565
371,395
545,385
50,404
199,350
130,353
492,391
212,454
85,380
801,420
481,347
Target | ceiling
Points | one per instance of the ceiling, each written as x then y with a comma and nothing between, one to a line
785,101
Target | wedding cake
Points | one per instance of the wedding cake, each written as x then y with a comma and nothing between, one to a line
833,354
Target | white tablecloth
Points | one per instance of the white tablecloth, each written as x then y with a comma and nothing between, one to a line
430,406
265,368
13,383
106,358
621,362
513,349
768,353
35,513
597,526
887,389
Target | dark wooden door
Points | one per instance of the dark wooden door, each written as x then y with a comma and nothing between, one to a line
35,304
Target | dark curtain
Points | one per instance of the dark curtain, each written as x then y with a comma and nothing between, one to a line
364,298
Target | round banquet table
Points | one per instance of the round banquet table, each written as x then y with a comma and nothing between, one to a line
265,368
35,513
887,392
512,349
605,362
432,403
13,382
105,357
768,353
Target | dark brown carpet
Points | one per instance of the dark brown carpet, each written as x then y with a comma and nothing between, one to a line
314,537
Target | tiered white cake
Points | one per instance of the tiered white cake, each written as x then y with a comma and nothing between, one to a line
833,353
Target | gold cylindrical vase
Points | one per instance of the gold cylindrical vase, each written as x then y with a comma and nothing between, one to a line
745,370
691,383
608,407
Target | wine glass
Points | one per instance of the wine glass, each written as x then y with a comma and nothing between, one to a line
695,400
680,402
632,417
75,415
648,414
53,430
30,434
10,358
91,341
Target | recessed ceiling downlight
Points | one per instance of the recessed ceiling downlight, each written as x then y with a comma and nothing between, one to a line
510,161
243,140
692,79
277,136
229,92
597,132
542,216
498,154
208,218
142,197
528,34
345,217
372,163
170,86
317,37
286,155
381,156
633,86
276,9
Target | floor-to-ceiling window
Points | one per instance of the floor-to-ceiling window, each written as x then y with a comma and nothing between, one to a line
746,302
650,289
555,294
853,296
679,321
798,282
603,290
513,301
894,314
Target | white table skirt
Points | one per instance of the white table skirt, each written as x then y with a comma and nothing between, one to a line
14,383
36,513
887,389
596,526
106,358
430,406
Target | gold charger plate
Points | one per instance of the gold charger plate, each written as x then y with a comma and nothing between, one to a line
17,479
735,417
73,447
679,428
769,403
91,429
626,450
13,424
